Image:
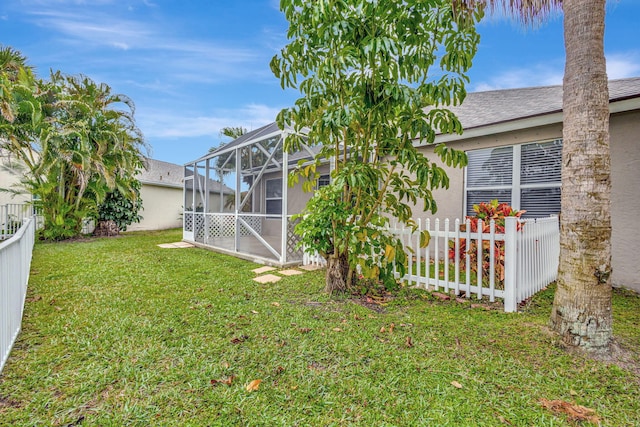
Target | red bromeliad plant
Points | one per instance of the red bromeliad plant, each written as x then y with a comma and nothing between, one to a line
486,212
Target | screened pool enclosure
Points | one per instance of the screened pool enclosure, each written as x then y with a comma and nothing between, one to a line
237,199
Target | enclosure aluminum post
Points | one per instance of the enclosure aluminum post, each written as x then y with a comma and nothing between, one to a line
193,193
510,265
206,185
220,173
238,193
206,207
285,211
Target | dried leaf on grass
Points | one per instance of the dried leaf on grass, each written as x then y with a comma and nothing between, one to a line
226,381
572,411
240,339
456,384
409,342
254,385
441,296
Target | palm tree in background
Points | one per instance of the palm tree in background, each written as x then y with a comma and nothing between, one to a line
73,139
582,306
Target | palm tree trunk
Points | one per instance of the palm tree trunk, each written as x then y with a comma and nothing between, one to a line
582,306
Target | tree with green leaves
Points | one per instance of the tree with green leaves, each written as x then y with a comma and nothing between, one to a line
582,307
369,97
74,141
120,209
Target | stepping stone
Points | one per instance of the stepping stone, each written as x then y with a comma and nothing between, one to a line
267,278
176,245
290,272
183,245
263,269
310,267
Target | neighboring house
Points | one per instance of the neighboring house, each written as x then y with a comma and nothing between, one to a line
161,195
513,139
8,179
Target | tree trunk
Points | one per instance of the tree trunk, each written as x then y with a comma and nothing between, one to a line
337,277
582,307
107,228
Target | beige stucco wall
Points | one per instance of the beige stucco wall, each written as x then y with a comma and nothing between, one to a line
7,180
214,202
297,199
451,201
625,197
161,208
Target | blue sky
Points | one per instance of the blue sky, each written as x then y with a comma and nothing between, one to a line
195,66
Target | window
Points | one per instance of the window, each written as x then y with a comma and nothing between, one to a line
273,193
323,181
526,176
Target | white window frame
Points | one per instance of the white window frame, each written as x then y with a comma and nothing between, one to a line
324,177
516,186
266,198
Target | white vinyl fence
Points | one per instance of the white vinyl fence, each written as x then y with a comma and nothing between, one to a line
15,262
513,265
12,216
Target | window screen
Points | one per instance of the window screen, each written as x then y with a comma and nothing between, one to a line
273,196
526,176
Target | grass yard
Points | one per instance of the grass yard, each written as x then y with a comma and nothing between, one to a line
120,332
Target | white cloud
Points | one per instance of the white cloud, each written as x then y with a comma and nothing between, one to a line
539,75
622,65
619,65
164,124
148,44
94,29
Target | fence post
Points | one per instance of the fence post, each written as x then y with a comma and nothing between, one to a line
510,265
4,219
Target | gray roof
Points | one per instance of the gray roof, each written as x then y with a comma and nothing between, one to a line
498,106
165,174
214,186
162,173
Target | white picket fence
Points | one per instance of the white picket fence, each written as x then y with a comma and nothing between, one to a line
15,263
531,256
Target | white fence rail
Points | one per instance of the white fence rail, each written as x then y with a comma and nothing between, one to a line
15,262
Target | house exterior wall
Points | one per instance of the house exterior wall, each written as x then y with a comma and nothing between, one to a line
297,200
625,199
7,180
161,208
451,201
214,202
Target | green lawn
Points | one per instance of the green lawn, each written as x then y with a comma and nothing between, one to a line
120,332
